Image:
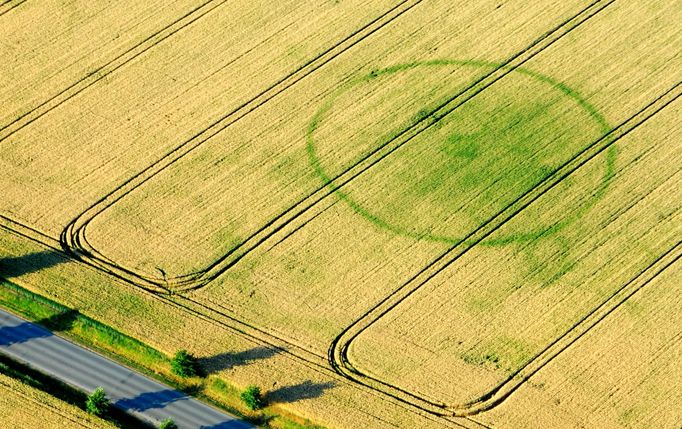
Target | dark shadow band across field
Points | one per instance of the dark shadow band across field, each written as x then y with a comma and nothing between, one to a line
29,331
13,267
150,400
298,392
228,360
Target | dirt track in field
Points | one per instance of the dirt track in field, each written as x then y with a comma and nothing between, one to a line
248,276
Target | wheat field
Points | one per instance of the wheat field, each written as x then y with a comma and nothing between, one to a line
22,406
434,214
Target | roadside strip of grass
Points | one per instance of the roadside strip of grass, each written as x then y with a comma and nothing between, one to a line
109,342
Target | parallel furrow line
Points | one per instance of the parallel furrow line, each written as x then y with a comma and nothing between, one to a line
108,68
73,235
338,351
9,5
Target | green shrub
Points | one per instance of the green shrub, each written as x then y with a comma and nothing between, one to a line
252,398
97,403
184,364
168,424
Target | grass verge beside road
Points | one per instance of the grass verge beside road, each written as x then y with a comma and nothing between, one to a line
129,351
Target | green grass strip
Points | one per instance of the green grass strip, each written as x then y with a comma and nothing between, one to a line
120,347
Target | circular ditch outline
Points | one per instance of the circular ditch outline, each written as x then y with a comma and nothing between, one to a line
319,116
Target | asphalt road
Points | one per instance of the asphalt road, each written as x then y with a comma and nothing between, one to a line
85,370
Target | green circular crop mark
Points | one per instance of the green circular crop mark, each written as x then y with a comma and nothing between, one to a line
472,162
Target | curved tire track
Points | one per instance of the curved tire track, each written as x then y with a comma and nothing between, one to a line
74,235
338,350
237,326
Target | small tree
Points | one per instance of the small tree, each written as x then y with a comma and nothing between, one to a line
184,364
97,402
168,424
252,398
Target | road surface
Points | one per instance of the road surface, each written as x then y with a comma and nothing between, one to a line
85,370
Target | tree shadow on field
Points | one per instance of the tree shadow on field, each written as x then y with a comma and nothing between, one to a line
60,322
12,267
223,361
298,392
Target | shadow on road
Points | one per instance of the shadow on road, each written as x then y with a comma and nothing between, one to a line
28,331
223,361
298,392
232,424
21,333
18,266
149,400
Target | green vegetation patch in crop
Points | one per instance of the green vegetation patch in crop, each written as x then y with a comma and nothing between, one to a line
469,161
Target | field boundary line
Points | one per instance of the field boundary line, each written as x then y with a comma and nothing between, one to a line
253,332
576,332
145,45
9,5
164,299
73,236
29,232
99,73
205,316
313,362
25,231
338,350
